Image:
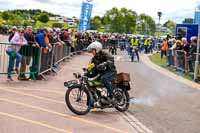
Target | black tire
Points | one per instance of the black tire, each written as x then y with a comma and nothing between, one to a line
126,104
78,112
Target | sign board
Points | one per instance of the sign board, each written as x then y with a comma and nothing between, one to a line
86,13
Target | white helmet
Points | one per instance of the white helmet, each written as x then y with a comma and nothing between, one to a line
95,45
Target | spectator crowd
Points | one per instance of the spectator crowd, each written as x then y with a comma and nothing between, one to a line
41,50
180,53
34,50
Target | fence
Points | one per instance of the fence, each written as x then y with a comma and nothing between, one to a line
109,43
181,61
51,58
33,61
9,59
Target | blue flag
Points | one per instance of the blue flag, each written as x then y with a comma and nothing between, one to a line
86,13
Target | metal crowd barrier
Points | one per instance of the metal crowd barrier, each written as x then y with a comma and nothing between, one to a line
191,63
29,58
55,56
181,61
36,61
171,57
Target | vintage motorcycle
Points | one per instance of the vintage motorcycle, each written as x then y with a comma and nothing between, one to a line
83,93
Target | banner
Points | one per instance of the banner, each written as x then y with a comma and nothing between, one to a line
197,13
86,13
197,6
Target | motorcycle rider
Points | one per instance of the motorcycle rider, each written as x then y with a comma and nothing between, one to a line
113,48
135,43
104,66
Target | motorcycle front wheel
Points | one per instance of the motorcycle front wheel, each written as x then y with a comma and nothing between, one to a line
78,100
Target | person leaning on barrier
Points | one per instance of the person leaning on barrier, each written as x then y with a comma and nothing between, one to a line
74,39
192,51
185,45
57,38
40,39
13,31
17,41
11,35
179,45
180,55
67,37
28,51
169,52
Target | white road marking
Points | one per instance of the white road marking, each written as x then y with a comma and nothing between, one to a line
135,123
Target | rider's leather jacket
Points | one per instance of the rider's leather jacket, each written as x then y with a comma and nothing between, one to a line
104,63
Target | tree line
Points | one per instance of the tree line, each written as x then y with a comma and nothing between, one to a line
115,20
24,17
124,21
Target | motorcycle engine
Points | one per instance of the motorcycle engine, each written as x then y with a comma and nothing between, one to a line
104,101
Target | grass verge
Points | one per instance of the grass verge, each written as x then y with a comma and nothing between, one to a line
155,58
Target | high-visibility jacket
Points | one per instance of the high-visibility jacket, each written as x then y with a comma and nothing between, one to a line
74,39
146,42
150,42
134,42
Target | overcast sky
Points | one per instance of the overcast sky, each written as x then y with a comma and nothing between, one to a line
175,10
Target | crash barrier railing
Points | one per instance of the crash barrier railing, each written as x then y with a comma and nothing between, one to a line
181,61
122,44
14,60
31,60
191,63
109,43
51,59
53,56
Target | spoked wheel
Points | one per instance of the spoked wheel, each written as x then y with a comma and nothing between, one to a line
78,100
122,98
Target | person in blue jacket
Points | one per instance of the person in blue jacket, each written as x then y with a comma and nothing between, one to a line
40,37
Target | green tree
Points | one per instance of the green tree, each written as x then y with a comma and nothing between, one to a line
6,15
1,21
147,24
188,21
121,21
171,25
27,23
58,25
95,23
43,17
15,20
129,20
113,20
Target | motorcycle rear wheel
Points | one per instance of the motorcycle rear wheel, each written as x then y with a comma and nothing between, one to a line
123,102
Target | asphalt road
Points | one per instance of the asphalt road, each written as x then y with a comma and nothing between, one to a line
39,107
162,104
